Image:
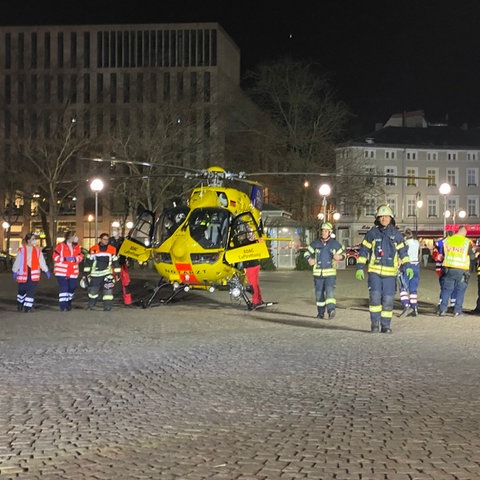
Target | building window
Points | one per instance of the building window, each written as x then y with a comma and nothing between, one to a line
21,51
472,206
411,155
206,87
390,154
390,173
432,156
60,50
432,174
369,175
392,203
452,176
86,88
412,177
126,88
452,156
369,153
166,86
193,87
73,50
370,209
46,52
86,50
472,156
34,42
432,208
472,177
411,206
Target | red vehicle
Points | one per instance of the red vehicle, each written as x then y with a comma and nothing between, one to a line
352,254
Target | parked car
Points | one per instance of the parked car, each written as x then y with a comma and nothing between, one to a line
6,261
352,254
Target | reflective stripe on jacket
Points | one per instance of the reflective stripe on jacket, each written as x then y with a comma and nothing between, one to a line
22,273
381,248
102,261
62,267
323,253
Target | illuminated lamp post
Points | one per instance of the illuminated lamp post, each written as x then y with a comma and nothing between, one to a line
90,220
96,186
324,192
445,190
6,234
418,205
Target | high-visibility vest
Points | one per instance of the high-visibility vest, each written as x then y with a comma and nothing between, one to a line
22,275
456,253
62,267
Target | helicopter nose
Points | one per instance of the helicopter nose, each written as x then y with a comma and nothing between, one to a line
178,249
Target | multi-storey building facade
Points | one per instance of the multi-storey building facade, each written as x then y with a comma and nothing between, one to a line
404,166
97,75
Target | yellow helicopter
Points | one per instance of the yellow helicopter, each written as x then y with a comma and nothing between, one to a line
202,245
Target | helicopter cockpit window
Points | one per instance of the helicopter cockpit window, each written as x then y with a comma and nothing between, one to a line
244,231
169,221
209,227
142,231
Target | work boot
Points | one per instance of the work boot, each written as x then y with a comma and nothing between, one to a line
375,328
405,312
19,306
414,312
321,315
386,329
331,314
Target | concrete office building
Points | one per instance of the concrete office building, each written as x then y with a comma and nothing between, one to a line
97,75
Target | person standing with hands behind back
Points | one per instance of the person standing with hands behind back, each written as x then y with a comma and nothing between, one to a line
26,272
66,257
320,254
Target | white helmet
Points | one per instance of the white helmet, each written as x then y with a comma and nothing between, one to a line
384,210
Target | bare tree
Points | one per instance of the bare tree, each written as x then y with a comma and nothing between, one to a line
154,147
48,150
307,118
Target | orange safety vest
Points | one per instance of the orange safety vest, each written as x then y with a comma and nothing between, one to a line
62,268
22,275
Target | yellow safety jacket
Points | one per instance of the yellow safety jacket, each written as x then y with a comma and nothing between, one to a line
457,252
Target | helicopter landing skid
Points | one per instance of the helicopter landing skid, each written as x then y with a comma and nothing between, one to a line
148,302
251,306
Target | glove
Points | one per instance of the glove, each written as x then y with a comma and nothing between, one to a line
47,273
409,273
359,275
70,259
15,276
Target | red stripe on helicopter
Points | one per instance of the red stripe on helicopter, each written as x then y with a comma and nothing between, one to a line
233,203
186,273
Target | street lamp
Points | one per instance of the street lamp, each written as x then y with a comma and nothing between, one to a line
324,192
90,220
461,213
444,190
96,186
418,204
6,234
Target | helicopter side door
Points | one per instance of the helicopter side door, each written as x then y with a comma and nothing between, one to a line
138,243
245,240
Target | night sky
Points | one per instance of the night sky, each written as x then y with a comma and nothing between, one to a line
383,56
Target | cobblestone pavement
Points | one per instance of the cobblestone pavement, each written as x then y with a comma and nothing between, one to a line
203,389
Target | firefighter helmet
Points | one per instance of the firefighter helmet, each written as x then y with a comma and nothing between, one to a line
384,210
327,226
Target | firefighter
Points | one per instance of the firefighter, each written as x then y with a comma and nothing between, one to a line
103,269
321,254
383,247
116,241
